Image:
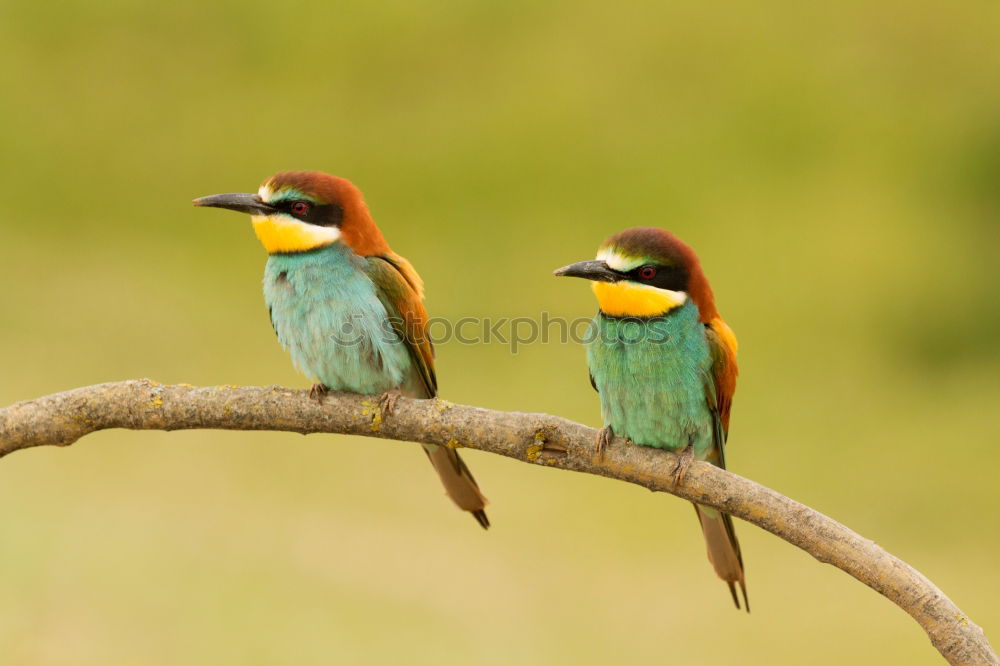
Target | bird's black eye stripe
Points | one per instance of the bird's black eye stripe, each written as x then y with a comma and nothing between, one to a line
324,215
673,278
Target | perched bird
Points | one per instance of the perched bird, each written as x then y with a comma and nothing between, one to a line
346,307
664,364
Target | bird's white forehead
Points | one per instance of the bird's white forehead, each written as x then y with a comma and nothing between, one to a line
269,194
618,261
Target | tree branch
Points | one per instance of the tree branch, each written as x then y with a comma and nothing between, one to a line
63,418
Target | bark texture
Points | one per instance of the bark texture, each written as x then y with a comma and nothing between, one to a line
63,418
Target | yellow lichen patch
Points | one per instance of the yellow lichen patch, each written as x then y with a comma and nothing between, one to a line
533,452
376,420
442,405
757,512
156,402
453,444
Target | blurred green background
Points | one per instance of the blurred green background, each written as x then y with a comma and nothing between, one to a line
837,168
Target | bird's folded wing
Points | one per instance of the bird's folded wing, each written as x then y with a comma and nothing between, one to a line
401,292
721,384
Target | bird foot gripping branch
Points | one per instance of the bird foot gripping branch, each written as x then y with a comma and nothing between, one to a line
602,440
684,460
387,403
317,392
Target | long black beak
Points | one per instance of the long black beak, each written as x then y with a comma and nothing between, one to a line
241,203
590,270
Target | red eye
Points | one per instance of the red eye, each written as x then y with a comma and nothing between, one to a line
300,207
647,272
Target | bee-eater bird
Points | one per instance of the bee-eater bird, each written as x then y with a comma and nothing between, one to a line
346,307
664,364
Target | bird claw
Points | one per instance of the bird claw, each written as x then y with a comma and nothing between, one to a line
387,403
318,392
604,437
684,460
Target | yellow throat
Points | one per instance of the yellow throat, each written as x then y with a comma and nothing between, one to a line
280,234
628,299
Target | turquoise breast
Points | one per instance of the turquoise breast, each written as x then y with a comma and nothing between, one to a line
328,317
651,375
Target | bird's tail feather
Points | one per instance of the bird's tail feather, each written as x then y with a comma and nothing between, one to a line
458,481
723,550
